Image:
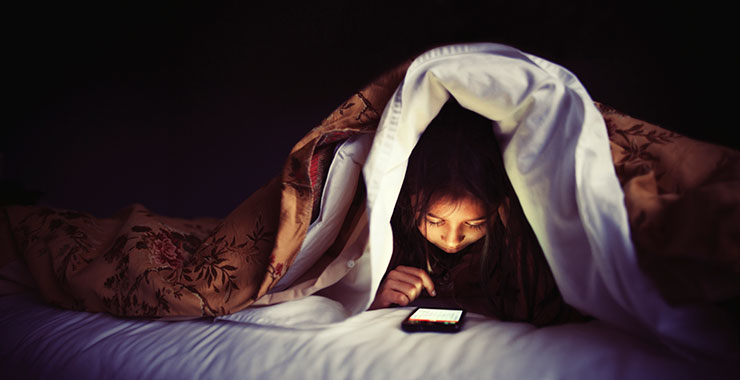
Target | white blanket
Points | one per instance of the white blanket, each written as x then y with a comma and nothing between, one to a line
556,153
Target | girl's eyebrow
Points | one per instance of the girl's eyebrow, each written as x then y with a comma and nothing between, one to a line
434,216
481,219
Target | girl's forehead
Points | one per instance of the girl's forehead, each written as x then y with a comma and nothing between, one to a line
466,208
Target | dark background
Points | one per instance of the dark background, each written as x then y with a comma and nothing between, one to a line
188,107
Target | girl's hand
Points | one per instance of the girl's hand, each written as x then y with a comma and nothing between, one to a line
402,286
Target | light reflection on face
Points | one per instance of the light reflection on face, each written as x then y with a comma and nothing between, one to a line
452,225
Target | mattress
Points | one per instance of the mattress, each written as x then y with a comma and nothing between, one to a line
312,338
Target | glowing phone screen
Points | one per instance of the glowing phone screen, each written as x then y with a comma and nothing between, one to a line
446,316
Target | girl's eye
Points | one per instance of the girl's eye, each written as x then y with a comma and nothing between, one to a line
476,226
435,224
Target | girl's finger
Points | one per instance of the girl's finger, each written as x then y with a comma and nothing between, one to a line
426,280
411,291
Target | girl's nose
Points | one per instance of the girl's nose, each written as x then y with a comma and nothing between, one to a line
453,236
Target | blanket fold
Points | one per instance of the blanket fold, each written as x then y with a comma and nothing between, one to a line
138,264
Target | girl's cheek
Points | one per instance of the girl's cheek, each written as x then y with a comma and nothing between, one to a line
479,235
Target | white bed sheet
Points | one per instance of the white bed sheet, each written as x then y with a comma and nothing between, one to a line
298,340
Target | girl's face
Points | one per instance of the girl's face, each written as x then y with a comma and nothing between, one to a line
452,225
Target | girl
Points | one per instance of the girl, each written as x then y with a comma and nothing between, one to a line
460,233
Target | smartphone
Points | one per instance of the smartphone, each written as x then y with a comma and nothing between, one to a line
434,319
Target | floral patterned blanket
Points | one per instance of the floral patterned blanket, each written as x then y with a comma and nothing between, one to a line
139,264
682,197
683,202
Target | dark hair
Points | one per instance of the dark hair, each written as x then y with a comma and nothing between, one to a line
458,156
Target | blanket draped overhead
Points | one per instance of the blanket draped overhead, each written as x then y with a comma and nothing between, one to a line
638,224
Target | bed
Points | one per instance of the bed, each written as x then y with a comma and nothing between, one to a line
311,339
281,287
